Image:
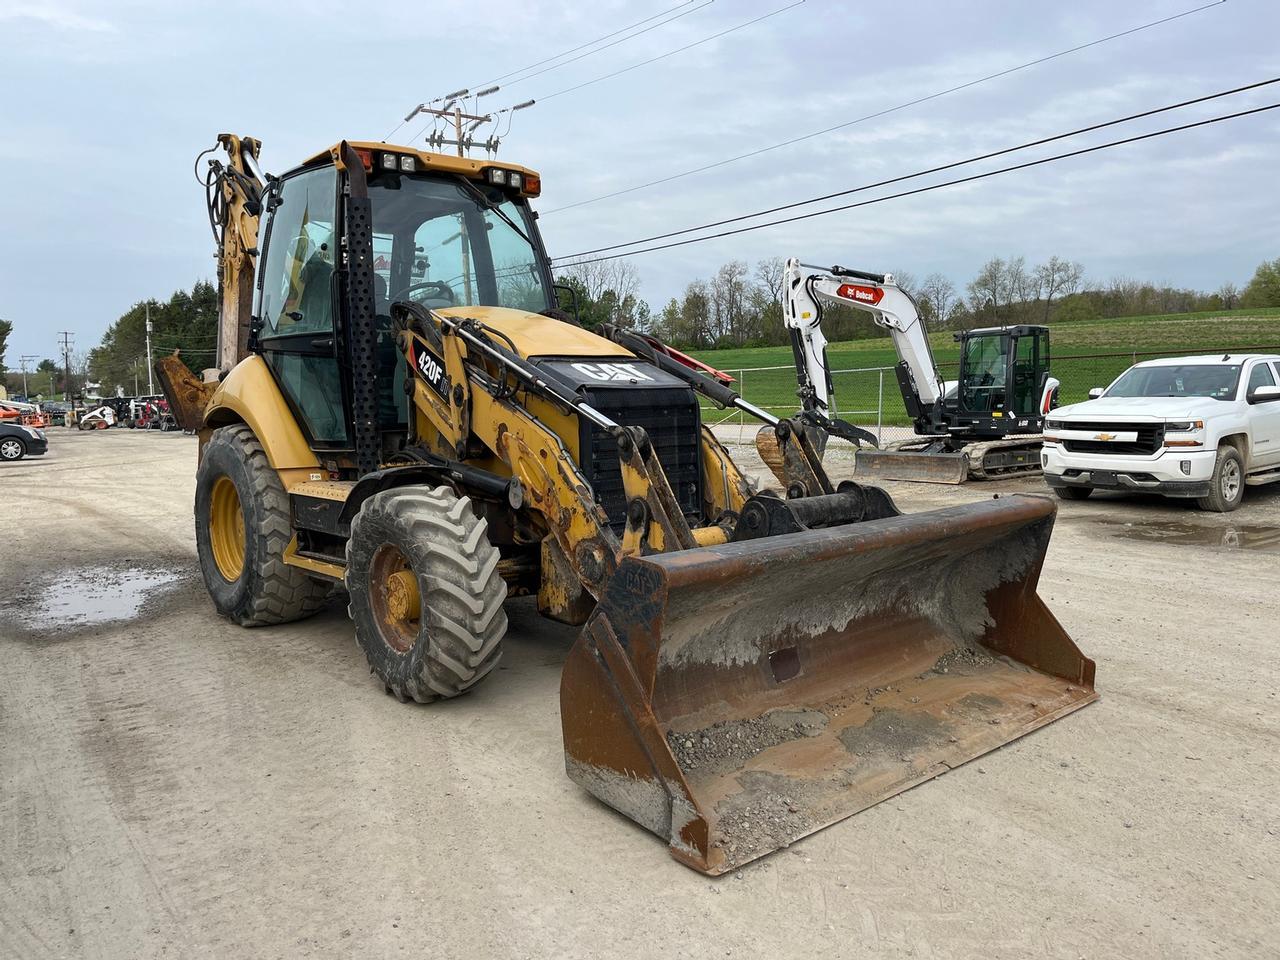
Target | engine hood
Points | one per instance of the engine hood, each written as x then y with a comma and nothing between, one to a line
1143,408
534,335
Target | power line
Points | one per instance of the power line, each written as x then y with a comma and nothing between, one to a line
589,43
886,111
938,169
672,53
557,66
926,189
583,56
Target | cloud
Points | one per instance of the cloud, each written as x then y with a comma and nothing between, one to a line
55,16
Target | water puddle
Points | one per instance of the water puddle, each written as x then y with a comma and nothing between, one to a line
95,595
1235,536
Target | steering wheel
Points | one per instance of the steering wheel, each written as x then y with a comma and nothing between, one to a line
442,291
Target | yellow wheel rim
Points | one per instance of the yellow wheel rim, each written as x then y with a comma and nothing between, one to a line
394,598
226,529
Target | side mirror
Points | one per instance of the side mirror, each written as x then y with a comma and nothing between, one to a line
1264,394
573,300
1095,393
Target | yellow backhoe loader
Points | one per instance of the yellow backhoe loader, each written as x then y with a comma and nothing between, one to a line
406,411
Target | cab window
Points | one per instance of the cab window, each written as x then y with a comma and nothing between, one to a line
295,305
1261,377
297,277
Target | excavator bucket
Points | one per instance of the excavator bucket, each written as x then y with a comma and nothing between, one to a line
733,699
906,464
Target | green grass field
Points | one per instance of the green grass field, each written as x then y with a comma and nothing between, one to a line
1080,352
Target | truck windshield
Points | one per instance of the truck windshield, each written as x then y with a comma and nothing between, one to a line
1214,381
442,243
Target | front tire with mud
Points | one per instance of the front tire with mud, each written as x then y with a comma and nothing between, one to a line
1226,486
242,530
426,594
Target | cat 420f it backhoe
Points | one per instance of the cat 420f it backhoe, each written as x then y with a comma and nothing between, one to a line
409,415
985,425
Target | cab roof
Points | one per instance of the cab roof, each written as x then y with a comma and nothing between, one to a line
427,160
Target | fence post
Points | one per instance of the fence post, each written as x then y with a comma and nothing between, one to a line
880,411
742,383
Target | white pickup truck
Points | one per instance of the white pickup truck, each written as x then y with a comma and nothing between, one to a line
1200,427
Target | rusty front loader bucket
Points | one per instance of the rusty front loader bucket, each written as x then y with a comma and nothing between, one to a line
910,465
733,699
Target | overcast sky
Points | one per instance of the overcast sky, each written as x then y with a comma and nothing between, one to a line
105,105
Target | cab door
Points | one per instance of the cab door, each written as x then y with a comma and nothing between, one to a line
1264,418
297,305
1030,363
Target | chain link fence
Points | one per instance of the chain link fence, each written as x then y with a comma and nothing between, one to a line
869,397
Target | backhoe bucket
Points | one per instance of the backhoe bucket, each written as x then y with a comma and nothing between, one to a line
907,465
735,698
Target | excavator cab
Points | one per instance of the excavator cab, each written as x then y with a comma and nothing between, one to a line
1003,371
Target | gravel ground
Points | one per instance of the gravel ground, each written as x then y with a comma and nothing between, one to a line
173,786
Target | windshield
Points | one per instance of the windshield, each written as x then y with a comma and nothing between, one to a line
1214,381
437,242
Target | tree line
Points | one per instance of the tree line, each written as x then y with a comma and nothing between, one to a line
740,304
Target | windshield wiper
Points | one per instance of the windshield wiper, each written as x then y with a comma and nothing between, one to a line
477,194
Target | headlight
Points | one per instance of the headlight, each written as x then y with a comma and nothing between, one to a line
33,432
1055,424
1183,426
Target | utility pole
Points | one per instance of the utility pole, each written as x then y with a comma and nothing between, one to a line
24,360
463,143
151,387
66,363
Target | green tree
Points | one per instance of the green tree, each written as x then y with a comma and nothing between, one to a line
186,322
1264,289
6,328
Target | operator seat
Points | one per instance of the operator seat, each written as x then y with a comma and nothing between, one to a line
390,370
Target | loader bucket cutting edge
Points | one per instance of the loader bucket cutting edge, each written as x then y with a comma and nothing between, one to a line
905,465
733,699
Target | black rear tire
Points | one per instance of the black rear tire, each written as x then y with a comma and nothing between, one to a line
433,541
267,590
1073,493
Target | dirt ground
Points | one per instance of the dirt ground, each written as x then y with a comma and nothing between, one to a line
174,786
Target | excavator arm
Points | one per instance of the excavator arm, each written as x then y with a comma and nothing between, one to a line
234,191
808,287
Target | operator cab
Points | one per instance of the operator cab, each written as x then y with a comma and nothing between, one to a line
1003,371
447,232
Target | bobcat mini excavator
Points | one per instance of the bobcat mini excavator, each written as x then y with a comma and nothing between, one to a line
408,415
986,425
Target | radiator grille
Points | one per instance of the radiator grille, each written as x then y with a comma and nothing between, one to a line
670,417
1150,438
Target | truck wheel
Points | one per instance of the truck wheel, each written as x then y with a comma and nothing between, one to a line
1073,493
426,594
11,448
1226,486
242,529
